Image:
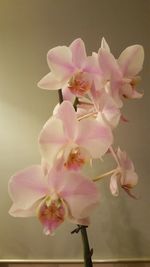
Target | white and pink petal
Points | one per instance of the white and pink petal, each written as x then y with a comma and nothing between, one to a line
50,82
51,139
77,48
60,62
67,115
131,60
27,187
97,139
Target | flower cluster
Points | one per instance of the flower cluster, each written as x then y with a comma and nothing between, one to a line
94,89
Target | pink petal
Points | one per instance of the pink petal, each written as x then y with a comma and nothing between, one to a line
78,52
94,136
108,65
124,160
127,90
80,194
27,187
91,64
60,62
67,115
131,60
51,139
131,179
112,88
18,212
50,82
114,185
136,95
67,95
104,45
111,113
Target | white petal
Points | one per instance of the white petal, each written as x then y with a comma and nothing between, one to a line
67,115
60,62
114,185
50,82
131,60
105,45
27,187
78,52
94,136
51,139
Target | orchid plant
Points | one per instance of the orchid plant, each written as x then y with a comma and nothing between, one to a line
93,91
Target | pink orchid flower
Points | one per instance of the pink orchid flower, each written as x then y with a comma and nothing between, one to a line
120,76
70,70
106,108
53,198
73,142
131,62
125,175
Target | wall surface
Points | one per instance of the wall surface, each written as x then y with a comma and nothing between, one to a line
28,29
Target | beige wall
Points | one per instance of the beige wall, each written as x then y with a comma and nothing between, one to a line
28,29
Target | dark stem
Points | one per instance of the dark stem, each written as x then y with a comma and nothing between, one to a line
87,252
76,102
60,96
86,248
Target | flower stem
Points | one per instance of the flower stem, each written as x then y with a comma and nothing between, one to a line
87,115
76,102
60,96
86,248
103,175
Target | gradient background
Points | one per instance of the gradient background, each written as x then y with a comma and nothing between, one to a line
28,29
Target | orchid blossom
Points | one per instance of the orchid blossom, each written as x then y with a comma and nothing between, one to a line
131,62
120,76
73,142
70,70
53,198
106,108
124,174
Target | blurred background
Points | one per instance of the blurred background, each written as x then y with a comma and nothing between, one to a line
28,29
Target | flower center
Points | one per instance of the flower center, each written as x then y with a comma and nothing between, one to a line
135,81
76,158
51,213
79,84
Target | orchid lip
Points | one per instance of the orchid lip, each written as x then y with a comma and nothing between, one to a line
79,84
77,157
51,213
